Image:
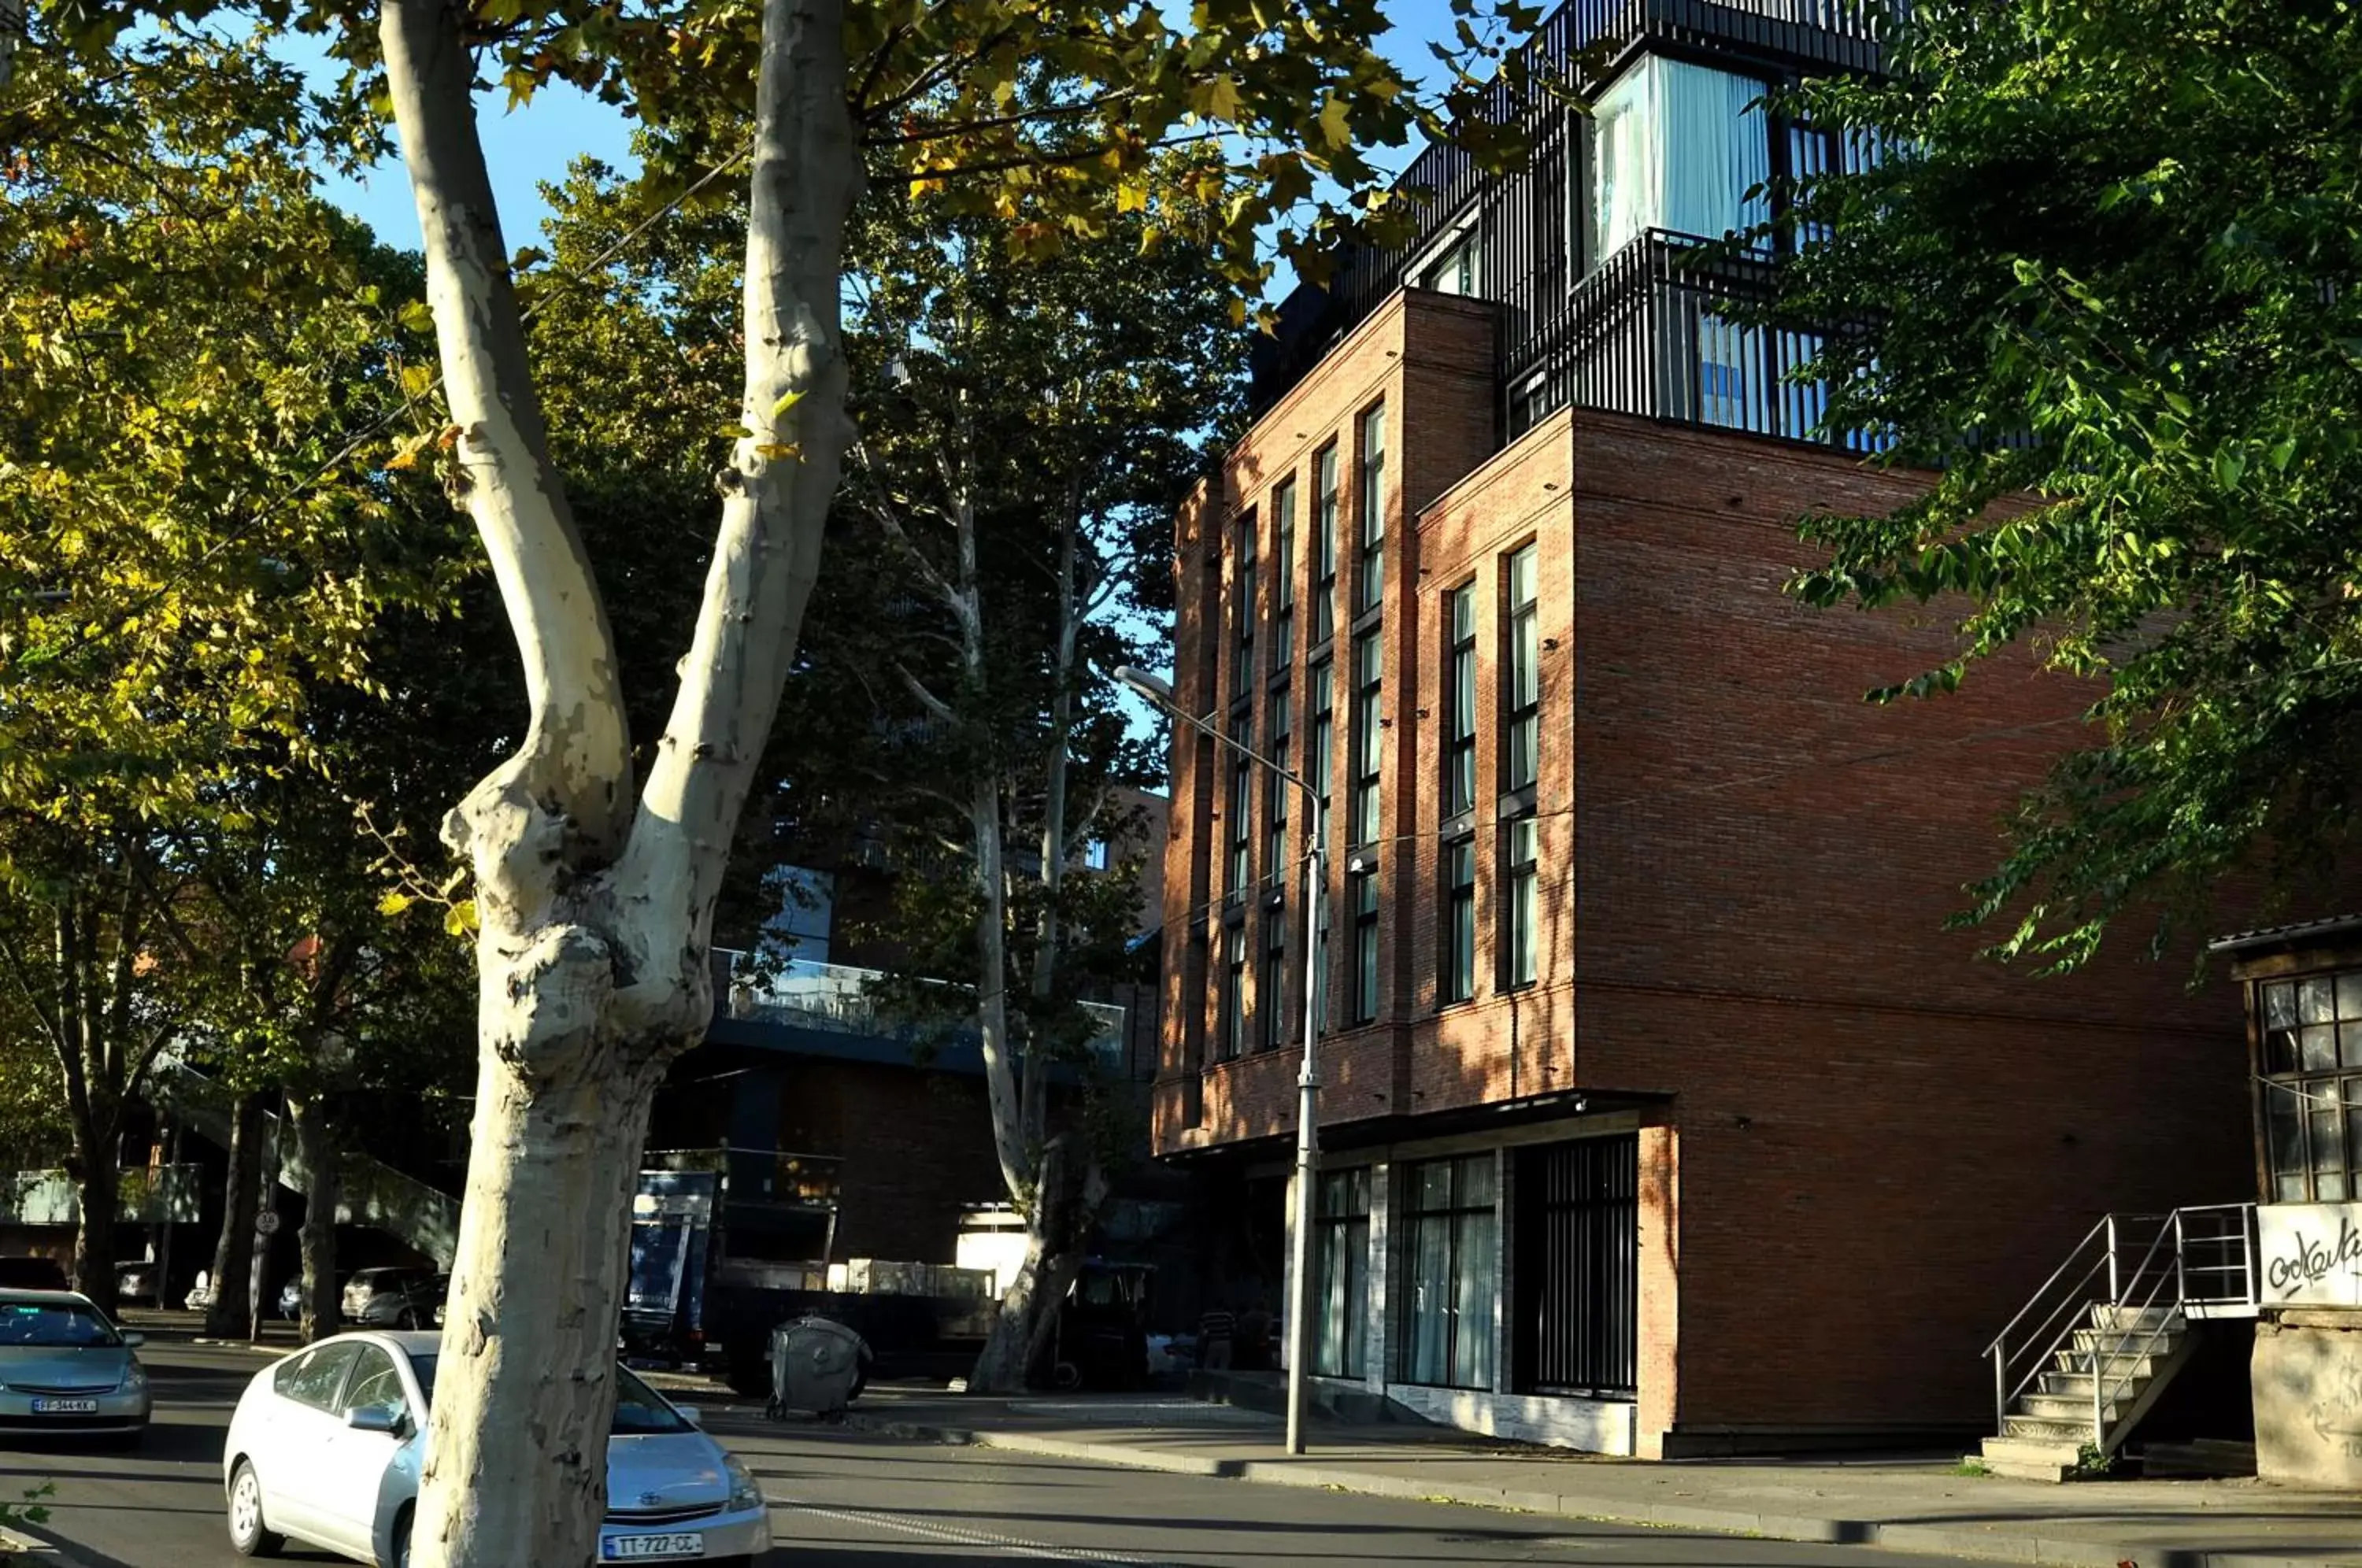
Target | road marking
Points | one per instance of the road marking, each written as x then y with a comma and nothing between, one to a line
953,1536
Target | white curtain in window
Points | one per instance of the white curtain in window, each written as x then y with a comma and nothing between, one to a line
1718,147
1677,146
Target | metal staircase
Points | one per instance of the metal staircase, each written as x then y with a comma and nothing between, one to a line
2089,1352
369,1192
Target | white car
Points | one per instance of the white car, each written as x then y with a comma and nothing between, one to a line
325,1448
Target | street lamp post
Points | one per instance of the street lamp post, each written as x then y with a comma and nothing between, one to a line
1308,1078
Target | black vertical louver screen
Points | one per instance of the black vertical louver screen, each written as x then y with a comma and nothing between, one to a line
1578,1266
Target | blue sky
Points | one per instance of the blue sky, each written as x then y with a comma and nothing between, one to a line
532,145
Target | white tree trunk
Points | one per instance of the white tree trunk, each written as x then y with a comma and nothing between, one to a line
595,916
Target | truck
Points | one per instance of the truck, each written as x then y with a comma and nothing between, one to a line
728,1244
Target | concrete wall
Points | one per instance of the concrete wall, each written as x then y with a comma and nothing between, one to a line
2307,1376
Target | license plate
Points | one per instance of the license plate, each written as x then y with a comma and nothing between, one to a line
65,1407
640,1547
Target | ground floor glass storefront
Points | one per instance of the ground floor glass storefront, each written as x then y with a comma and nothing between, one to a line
1501,1281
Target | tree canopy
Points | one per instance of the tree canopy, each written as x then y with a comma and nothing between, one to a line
2103,281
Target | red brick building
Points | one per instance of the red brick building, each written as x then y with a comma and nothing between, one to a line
1661,1113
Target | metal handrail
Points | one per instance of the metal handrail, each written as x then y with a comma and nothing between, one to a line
2157,1277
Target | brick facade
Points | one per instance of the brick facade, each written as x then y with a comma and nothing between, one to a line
1860,1145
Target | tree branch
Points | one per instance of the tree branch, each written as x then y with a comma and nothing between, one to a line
576,753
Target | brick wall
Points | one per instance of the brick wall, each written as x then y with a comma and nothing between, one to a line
1875,1143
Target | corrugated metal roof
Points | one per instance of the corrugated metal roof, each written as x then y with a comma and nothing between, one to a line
2285,935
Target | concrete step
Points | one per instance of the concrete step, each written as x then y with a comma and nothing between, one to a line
2123,1385
2049,1429
2075,1366
2106,1316
2029,1459
2125,1345
2071,1408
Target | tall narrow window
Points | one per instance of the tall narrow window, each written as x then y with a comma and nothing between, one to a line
1520,902
1277,791
1450,1272
2313,1087
1319,746
1523,718
1241,813
1365,945
1271,985
1242,613
1459,702
1456,972
1369,675
1340,1291
1324,588
1283,587
1232,1034
1373,503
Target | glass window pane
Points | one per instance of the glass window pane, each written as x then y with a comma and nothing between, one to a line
2317,1049
1475,1180
2284,1130
1431,1185
2279,1005
2329,1186
2349,1044
1429,1289
1477,1272
2315,1002
2279,1051
2350,994
2328,1144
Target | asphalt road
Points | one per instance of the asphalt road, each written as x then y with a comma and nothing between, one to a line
842,1499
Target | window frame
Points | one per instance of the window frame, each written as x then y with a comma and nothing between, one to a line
1456,933
1340,1235
1241,805
1230,1032
1283,587
1365,816
1459,783
1368,972
1244,587
1279,718
1324,598
2294,1097
1522,668
1520,924
1460,1218
1271,983
1369,501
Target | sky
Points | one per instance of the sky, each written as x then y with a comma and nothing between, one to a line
529,147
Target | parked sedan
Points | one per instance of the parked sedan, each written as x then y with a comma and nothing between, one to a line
325,1448
394,1298
66,1370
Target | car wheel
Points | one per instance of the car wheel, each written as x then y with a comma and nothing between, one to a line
248,1536
402,1541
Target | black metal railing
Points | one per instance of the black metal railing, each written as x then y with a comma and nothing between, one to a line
1654,331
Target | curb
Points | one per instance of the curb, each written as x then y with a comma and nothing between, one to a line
2026,1546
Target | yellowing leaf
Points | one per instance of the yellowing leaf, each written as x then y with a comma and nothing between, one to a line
787,403
777,450
393,904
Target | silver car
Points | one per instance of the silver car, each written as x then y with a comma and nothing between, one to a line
325,1448
66,1369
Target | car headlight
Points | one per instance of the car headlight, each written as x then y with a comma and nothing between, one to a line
135,1378
744,1493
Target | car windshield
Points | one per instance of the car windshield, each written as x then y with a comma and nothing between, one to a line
53,1323
639,1410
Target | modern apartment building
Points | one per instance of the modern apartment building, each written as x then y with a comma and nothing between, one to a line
1660,1111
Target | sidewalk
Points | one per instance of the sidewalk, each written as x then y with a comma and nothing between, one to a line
1906,1505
